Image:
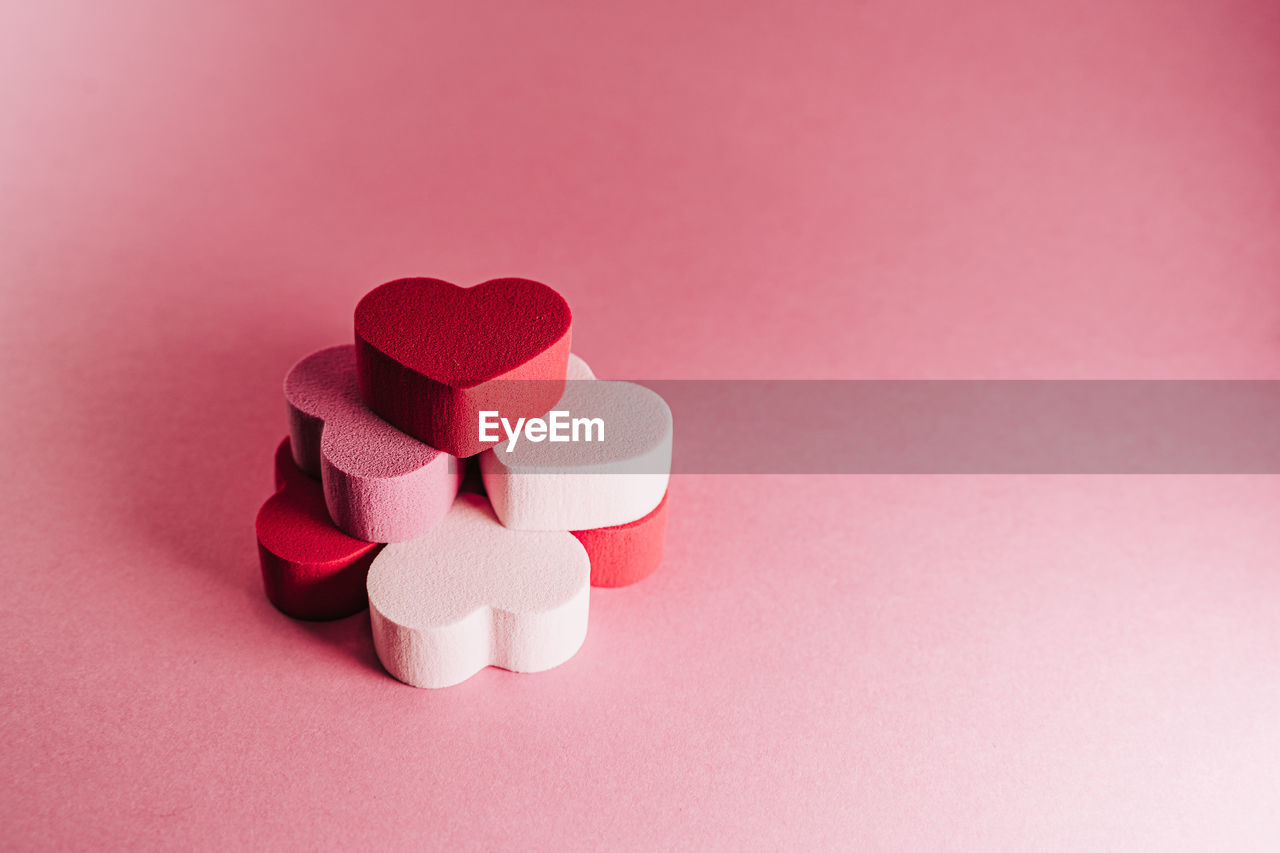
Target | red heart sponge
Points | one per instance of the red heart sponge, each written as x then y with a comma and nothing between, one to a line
310,568
431,355
626,553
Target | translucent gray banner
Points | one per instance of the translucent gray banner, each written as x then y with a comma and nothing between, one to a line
974,427
938,427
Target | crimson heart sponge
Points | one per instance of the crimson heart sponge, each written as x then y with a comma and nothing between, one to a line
311,569
431,355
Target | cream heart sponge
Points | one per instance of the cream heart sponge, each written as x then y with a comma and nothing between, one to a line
471,593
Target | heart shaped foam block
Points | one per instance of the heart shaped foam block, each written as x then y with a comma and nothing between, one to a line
626,553
311,569
471,593
432,355
380,484
582,485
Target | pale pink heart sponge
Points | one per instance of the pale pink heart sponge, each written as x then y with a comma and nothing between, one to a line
310,569
380,484
431,355
472,593
581,485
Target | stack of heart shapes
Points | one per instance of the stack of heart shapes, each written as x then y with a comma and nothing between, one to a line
372,507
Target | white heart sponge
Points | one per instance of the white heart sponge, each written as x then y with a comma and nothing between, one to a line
589,484
578,369
471,593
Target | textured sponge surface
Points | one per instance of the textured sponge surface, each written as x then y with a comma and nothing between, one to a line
462,336
626,553
472,593
380,484
310,568
431,355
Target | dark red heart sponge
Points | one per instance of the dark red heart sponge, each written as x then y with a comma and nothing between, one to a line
431,355
310,568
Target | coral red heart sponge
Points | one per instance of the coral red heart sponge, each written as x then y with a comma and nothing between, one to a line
626,553
432,355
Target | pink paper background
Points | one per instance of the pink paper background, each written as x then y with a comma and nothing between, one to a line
192,198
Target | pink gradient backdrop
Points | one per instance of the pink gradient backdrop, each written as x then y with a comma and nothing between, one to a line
192,198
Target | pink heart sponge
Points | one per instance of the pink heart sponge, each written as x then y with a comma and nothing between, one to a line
432,355
380,484
311,569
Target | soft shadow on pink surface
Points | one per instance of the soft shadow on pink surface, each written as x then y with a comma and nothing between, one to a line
176,410
193,198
